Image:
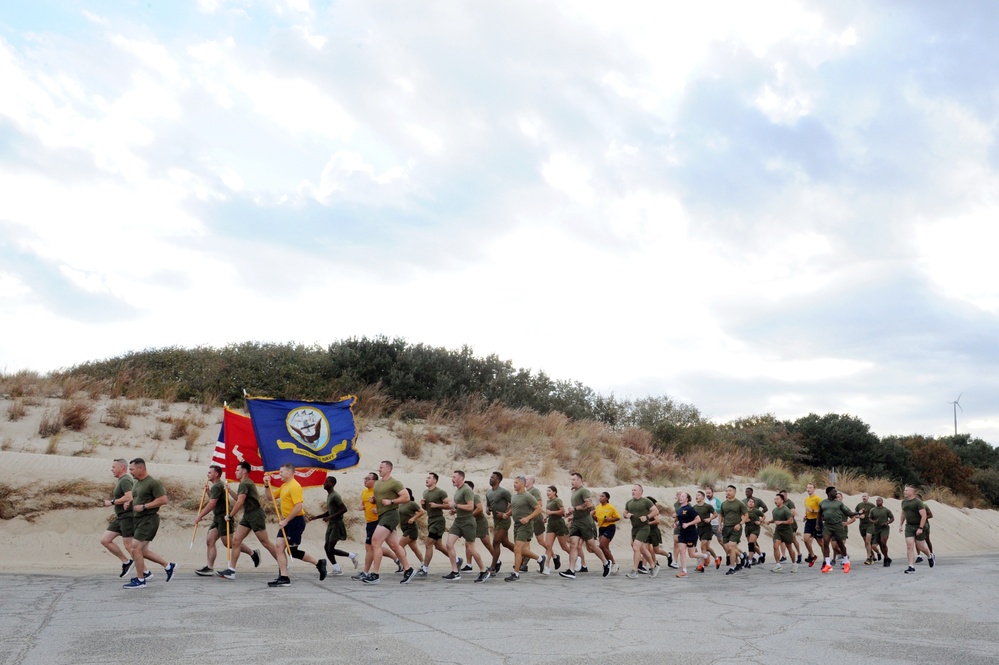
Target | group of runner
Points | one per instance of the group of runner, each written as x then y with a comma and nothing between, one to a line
585,525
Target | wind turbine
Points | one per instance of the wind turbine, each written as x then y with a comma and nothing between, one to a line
957,405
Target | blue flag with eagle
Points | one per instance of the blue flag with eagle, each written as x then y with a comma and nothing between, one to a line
319,435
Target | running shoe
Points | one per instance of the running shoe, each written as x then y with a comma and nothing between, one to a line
398,566
371,579
583,569
642,570
632,575
499,564
879,556
777,569
359,576
321,567
669,560
422,572
579,563
672,565
483,576
228,574
655,571
607,568
336,570
846,567
826,568
731,571
467,568
812,560
452,576
512,577
170,570
205,572
887,562
567,574
125,567
282,580
541,563
700,568
135,583
717,562
910,569
407,575
558,561
459,562
681,574
919,559
869,561
523,566
763,558
353,559
255,555
794,567
617,570
931,560
799,558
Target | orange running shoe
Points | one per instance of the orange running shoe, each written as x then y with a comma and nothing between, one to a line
717,562
826,568
681,574
846,567
700,567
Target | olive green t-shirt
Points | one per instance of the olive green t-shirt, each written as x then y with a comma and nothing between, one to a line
436,495
638,508
781,514
732,512
498,500
581,517
480,517
217,492
387,489
407,510
463,494
523,505
879,516
252,500
555,520
759,504
755,516
334,504
834,512
144,491
910,509
704,511
865,506
123,485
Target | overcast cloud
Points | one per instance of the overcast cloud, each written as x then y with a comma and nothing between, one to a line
784,209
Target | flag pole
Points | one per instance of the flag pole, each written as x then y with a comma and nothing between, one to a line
201,505
228,521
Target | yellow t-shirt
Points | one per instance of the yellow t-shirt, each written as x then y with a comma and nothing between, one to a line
812,506
370,509
603,511
289,495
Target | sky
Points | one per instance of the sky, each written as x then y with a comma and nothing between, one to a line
782,208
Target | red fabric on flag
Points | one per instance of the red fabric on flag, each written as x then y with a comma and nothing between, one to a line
240,444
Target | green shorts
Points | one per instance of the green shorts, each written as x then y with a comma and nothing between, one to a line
752,530
254,520
557,526
704,532
123,524
910,531
411,531
218,523
463,527
539,526
641,533
481,528
587,530
146,527
502,524
835,530
784,536
389,519
655,535
879,533
865,529
523,533
436,527
336,531
731,535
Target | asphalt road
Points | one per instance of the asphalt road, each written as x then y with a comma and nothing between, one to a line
872,615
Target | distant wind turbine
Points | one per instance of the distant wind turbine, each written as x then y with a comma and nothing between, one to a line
957,405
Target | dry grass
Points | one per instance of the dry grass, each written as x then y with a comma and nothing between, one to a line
945,496
75,414
50,424
191,438
17,410
637,439
23,383
119,414
776,476
156,434
89,447
723,458
411,442
849,482
7,443
53,446
178,427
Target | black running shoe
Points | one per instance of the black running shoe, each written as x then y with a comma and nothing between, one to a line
499,564
483,576
407,576
763,557
321,567
931,560
567,574
909,570
282,580
452,576
732,571
887,562
255,555
512,577
371,579
799,557
125,567
919,559
170,570
466,568
607,568
228,573
558,562
584,569
523,567
205,572
398,566
541,563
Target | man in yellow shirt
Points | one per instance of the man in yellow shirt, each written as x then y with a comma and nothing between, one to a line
607,518
291,509
813,529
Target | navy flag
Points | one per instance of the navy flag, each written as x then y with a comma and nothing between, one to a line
319,435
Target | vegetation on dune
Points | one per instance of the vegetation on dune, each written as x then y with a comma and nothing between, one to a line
485,405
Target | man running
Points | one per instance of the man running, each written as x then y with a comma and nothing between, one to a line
862,509
254,520
148,496
734,514
607,518
122,524
291,526
463,526
813,528
640,510
388,495
434,502
914,524
832,515
336,529
583,529
524,509
220,529
539,521
481,528
706,511
880,518
498,505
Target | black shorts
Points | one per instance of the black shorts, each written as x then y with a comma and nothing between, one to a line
293,532
812,528
369,530
608,531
